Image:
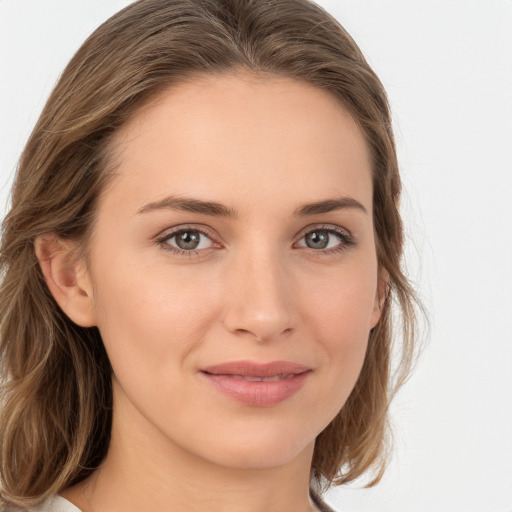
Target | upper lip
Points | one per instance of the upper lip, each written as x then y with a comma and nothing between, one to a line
253,369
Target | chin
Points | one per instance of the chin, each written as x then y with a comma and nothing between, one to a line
260,449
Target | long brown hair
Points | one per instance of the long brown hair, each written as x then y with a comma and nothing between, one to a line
56,394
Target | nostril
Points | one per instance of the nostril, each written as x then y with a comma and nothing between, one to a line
254,314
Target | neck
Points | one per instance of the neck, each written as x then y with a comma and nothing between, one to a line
144,470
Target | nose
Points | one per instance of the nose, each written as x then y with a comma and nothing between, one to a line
260,305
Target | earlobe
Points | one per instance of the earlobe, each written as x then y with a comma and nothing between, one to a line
66,278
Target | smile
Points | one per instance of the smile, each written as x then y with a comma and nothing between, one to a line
257,385
262,379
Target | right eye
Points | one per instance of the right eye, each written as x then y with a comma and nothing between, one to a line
186,240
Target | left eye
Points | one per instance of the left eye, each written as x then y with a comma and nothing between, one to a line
189,240
321,239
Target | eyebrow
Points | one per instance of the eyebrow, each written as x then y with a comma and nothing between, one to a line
186,204
212,208
329,205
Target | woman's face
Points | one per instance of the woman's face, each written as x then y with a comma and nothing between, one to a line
233,269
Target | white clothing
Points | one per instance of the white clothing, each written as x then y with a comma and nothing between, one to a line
52,504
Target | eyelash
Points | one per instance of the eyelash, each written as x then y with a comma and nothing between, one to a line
162,240
345,238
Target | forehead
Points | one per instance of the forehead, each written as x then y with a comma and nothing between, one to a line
242,137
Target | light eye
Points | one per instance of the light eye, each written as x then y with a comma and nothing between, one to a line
188,240
324,239
191,240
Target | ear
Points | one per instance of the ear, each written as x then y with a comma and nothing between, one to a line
380,297
67,278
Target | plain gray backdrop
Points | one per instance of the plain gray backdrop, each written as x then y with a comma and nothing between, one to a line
447,66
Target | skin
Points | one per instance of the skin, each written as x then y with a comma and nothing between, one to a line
254,290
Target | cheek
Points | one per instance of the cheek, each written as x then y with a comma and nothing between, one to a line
151,318
338,313
341,302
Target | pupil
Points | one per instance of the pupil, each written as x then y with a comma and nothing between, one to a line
317,239
187,240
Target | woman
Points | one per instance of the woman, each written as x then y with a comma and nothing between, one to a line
204,245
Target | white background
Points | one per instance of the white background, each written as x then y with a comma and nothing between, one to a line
447,66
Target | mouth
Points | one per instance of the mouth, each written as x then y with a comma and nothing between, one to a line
255,384
250,369
250,378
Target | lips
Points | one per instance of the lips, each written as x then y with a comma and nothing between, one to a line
250,378
256,384
252,369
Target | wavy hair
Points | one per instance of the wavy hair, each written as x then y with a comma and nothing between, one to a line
56,389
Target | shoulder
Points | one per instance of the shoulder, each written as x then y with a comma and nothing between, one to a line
54,503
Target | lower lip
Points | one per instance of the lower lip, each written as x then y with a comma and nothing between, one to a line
258,393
